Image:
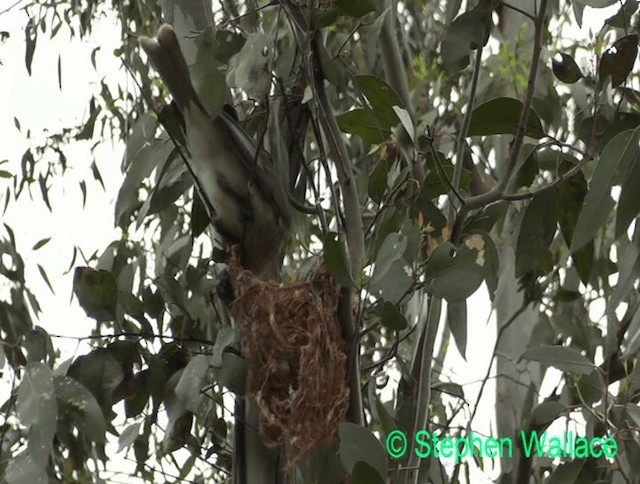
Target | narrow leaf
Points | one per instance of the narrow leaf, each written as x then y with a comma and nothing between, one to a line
561,357
616,158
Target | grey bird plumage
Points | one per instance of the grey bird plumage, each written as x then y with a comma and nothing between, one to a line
235,176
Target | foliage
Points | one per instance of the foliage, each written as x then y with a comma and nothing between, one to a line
454,142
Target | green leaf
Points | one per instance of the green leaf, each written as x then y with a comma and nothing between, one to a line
391,250
83,189
632,336
131,305
431,214
336,259
537,230
546,413
171,292
567,472
569,198
226,337
199,218
563,358
364,473
407,122
321,18
77,397
355,8
457,322
467,32
382,99
501,116
629,267
392,318
128,436
618,60
45,278
86,133
492,262
100,373
42,183
358,444
141,166
566,69
41,243
527,168
172,121
616,157
361,122
452,389
31,37
215,48
37,344
36,398
37,408
332,69
629,201
394,285
623,15
578,12
142,132
456,274
97,293
377,183
24,468
596,3
153,302
190,384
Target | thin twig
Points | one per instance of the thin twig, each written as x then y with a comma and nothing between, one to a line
501,330
461,143
497,192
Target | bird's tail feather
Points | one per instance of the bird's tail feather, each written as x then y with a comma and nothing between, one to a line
167,58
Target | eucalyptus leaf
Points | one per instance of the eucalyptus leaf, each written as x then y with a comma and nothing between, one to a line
501,116
358,444
617,155
561,357
456,274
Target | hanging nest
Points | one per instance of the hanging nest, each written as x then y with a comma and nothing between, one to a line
295,354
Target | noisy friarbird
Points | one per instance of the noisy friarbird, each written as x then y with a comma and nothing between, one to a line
234,175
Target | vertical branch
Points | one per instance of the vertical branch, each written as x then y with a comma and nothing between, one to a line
392,60
457,169
518,139
395,72
308,45
353,228
498,191
346,180
424,359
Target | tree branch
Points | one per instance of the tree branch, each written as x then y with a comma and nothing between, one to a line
498,191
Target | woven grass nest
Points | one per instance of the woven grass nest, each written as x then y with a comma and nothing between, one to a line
295,354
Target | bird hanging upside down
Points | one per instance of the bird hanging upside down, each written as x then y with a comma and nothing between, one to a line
234,176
